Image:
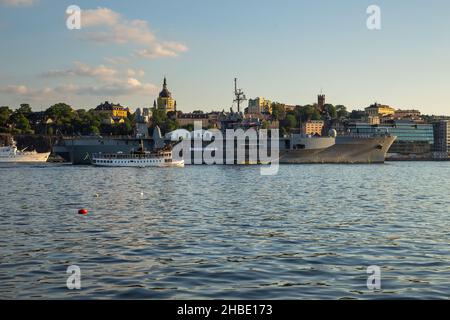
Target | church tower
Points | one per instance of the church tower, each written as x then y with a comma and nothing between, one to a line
165,100
321,102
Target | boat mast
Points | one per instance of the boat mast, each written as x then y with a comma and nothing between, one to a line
239,95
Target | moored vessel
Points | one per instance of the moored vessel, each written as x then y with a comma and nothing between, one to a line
11,154
141,159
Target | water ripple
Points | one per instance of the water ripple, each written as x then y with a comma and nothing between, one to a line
226,232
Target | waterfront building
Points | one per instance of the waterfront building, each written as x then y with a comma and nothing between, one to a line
378,110
407,114
373,120
441,139
188,119
259,106
143,116
412,137
312,127
116,113
208,120
165,101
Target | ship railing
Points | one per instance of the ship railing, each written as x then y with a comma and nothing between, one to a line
107,156
116,137
364,136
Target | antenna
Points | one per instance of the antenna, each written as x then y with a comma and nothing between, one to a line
239,95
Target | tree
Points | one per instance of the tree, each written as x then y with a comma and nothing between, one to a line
20,122
291,121
159,117
341,111
5,114
25,109
278,111
59,111
166,121
62,115
171,125
307,113
357,114
331,110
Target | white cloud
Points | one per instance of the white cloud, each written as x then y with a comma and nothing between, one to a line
114,88
83,70
18,3
135,73
21,89
112,27
167,49
100,17
117,60
127,87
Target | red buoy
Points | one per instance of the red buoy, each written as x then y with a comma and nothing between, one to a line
83,211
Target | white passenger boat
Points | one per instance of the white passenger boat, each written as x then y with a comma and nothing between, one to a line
11,154
142,159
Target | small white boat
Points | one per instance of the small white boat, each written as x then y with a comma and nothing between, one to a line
11,154
141,159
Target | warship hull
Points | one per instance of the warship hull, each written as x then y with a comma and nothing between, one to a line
344,150
293,150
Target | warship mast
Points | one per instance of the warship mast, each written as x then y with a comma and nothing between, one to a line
239,95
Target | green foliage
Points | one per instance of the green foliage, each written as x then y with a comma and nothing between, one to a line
171,125
341,112
65,121
20,122
331,110
159,117
166,121
25,109
357,114
5,113
291,121
307,113
59,112
278,111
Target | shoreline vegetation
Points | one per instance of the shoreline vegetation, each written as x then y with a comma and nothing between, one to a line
62,119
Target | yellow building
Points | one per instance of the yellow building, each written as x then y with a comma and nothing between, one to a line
313,127
119,113
116,112
378,110
165,100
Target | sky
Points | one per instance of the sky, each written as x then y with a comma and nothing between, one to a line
287,51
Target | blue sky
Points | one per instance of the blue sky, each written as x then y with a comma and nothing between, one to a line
286,51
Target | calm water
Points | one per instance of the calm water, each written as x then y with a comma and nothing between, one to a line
226,232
